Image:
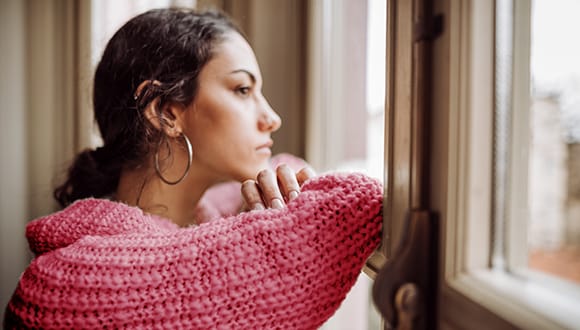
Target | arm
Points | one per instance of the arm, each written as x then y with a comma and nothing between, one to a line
286,268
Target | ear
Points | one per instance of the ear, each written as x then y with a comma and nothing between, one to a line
168,119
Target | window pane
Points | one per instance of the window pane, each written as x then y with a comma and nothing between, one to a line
554,158
536,147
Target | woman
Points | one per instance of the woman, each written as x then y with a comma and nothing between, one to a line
177,97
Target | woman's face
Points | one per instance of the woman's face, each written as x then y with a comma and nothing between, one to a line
230,122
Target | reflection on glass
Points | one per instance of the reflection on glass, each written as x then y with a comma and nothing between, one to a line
554,169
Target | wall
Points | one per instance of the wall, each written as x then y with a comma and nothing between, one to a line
13,142
573,201
547,158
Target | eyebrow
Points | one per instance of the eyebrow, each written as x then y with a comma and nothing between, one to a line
251,75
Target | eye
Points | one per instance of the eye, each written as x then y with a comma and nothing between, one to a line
243,90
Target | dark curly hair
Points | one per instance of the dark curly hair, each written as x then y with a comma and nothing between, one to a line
169,46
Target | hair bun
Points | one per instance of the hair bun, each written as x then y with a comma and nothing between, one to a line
88,176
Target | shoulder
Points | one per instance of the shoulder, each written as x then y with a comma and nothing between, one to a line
88,217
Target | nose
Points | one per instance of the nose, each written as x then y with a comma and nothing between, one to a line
269,121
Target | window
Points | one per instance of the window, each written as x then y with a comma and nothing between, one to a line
347,85
506,127
554,141
346,111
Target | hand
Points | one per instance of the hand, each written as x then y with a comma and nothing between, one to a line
274,190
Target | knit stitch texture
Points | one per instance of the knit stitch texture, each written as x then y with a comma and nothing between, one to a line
103,265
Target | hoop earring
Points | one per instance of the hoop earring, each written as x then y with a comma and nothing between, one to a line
189,160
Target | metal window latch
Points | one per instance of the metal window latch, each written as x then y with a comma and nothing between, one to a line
405,288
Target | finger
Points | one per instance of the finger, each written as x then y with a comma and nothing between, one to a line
252,196
288,182
270,191
305,174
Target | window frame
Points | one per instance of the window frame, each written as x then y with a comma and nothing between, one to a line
471,294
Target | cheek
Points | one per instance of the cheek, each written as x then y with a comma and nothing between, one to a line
223,132
220,112
229,127
221,139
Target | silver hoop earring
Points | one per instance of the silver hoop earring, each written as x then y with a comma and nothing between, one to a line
189,160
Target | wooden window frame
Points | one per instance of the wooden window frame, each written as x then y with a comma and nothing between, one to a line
471,294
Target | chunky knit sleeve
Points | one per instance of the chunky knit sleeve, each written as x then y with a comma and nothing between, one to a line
271,269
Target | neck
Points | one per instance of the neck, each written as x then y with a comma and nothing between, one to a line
144,189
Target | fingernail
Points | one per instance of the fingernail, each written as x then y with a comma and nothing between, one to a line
292,195
258,206
277,204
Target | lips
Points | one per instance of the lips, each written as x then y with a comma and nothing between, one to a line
265,148
266,145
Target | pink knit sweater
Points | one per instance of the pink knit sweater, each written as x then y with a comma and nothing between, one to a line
102,264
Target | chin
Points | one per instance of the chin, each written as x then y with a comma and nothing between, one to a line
252,173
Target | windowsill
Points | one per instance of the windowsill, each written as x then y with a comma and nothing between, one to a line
522,301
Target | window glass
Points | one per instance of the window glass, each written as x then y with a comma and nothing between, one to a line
537,140
554,158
